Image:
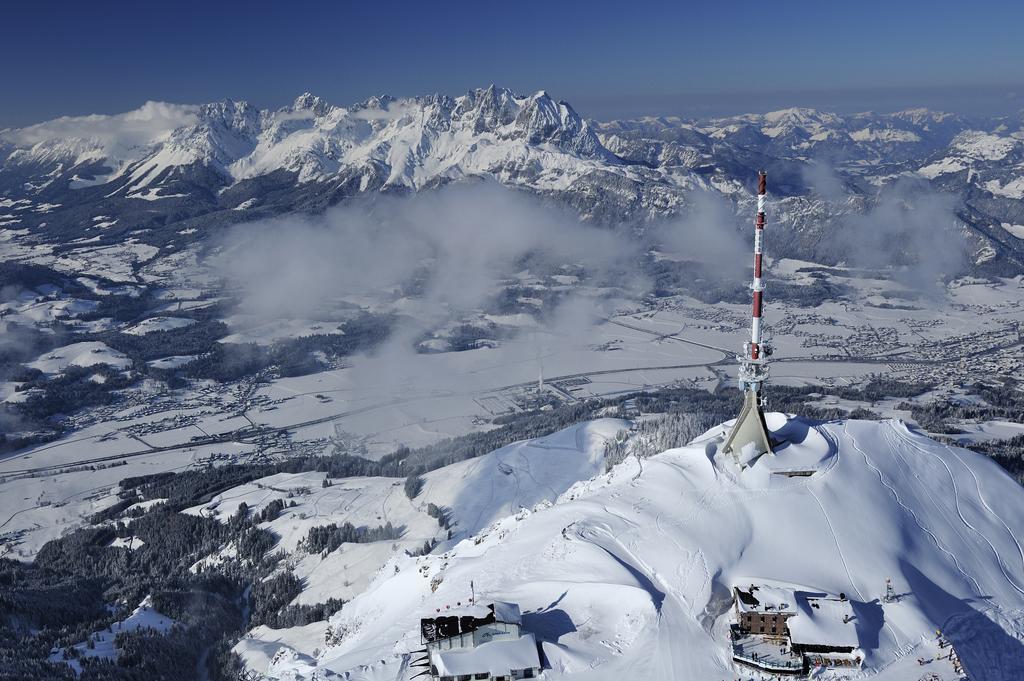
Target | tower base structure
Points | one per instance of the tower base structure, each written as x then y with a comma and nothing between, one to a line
749,438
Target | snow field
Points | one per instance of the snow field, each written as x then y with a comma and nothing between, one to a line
509,479
159,324
630,574
81,355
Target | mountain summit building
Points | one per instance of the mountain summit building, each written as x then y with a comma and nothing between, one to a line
479,642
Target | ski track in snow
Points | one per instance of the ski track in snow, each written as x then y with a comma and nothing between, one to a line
956,563
675,612
526,469
685,567
984,502
384,503
514,501
909,511
956,500
402,669
835,539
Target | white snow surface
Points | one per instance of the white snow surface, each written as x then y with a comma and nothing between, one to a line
1016,230
824,621
131,542
946,165
159,324
983,146
476,493
496,657
629,574
84,354
172,362
1013,189
884,135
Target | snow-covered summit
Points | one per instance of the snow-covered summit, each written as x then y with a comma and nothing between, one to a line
630,574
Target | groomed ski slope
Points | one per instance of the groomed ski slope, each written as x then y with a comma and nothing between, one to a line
628,575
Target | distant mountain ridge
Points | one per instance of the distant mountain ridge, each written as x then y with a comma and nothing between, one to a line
166,165
418,139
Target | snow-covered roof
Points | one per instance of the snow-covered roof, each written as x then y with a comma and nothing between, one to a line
507,612
817,618
765,598
476,610
497,658
823,621
503,612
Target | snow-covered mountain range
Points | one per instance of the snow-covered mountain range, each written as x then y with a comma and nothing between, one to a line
143,339
383,144
203,166
417,142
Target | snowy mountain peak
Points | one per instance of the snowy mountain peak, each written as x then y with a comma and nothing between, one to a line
488,109
545,121
379,102
631,574
921,115
801,116
310,102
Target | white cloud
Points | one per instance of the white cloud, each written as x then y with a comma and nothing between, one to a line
118,137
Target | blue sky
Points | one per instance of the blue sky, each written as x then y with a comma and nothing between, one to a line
606,58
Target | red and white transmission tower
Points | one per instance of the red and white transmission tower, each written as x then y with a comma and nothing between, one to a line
749,438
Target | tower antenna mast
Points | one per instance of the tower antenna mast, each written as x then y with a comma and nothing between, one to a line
749,436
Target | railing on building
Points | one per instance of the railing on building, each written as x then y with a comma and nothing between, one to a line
783,666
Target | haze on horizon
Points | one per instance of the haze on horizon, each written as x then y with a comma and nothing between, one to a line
650,58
